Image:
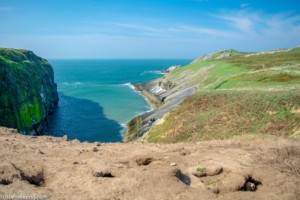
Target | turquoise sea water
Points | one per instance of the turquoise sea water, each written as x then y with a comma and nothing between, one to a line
96,99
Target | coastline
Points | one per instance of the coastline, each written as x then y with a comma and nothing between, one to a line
148,96
163,96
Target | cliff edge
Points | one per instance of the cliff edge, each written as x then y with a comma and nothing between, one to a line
44,167
28,93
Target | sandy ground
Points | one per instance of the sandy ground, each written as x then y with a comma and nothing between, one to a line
53,168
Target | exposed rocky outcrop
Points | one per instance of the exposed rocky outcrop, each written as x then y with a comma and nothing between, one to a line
171,68
219,55
28,93
163,95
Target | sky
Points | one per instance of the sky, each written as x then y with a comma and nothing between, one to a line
147,28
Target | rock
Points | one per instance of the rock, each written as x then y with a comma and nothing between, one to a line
103,174
184,153
213,170
38,151
28,93
98,144
215,190
95,149
208,171
143,161
173,164
250,186
65,138
176,172
199,174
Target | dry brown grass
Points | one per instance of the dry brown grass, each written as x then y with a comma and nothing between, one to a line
286,159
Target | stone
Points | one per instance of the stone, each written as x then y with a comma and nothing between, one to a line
38,151
95,149
250,186
143,161
214,170
199,174
65,138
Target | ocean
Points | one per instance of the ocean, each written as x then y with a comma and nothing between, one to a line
96,99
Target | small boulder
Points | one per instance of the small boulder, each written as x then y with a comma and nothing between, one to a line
143,161
200,172
213,170
65,138
38,151
105,174
95,149
250,186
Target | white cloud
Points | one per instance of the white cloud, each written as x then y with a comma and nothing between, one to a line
203,30
140,27
243,24
169,31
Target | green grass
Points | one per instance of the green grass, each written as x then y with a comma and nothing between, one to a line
220,74
200,170
224,114
241,94
133,126
264,61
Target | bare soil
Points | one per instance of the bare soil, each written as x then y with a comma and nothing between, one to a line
247,167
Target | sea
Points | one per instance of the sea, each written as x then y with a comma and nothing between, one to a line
96,99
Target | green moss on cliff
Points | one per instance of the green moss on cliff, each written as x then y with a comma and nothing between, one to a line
27,89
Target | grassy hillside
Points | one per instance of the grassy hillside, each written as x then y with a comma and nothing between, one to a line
237,93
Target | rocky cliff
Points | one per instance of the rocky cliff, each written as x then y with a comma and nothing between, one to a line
28,93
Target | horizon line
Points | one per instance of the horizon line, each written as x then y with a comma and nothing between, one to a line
119,58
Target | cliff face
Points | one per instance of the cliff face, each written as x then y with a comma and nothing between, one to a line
28,93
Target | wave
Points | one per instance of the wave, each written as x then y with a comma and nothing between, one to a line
72,84
152,72
138,113
128,85
124,125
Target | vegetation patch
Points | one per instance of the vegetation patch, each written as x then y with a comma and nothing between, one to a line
223,114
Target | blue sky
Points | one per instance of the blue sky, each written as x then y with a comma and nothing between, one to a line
147,28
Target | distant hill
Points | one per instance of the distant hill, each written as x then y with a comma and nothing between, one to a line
235,93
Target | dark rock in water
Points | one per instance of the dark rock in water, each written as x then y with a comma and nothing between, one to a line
28,94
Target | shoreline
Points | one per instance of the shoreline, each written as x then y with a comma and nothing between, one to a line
162,98
146,95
